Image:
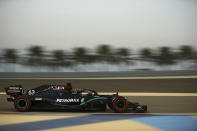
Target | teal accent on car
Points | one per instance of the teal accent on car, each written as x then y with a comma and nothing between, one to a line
19,104
97,98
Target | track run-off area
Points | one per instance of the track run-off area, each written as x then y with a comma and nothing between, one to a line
97,121
171,102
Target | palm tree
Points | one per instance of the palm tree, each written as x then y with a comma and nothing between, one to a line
104,50
105,53
165,56
36,56
123,54
80,55
58,58
146,54
10,55
186,52
195,59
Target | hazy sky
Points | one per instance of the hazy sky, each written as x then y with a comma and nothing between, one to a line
69,23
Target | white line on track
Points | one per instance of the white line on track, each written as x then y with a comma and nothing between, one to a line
107,78
140,94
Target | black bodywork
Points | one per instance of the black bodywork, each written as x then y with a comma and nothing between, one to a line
48,97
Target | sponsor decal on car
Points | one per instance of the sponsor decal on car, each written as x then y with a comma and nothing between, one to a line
38,99
82,100
14,88
13,91
31,92
67,100
58,87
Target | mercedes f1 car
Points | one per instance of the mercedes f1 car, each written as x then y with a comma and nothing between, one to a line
64,97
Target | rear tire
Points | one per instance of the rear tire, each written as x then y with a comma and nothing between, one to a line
120,104
22,103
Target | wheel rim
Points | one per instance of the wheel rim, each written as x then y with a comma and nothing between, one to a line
120,104
22,103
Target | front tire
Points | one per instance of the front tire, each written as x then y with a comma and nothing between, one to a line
22,103
120,104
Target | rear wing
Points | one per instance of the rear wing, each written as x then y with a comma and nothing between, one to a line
15,90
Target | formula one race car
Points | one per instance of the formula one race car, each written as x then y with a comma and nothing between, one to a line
63,97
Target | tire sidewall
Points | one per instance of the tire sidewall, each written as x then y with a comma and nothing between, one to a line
28,103
115,107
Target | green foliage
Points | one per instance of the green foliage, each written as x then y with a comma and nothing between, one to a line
10,55
146,54
124,52
186,52
103,53
59,59
58,56
36,54
104,50
122,55
165,56
80,55
36,51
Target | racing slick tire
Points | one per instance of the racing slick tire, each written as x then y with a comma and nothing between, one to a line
120,104
22,103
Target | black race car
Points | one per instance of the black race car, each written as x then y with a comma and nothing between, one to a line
63,97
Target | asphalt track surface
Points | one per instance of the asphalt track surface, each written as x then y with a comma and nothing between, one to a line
153,84
185,85
156,104
96,122
166,112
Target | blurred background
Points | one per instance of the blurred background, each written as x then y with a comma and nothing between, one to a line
101,58
93,36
